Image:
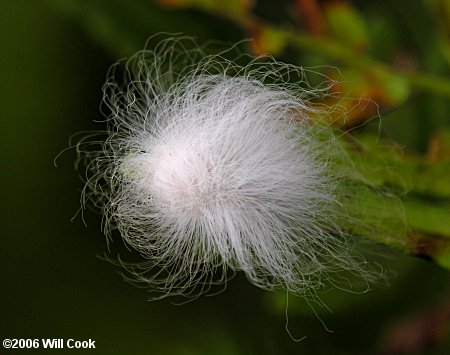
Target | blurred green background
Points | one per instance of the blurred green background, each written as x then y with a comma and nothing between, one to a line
54,58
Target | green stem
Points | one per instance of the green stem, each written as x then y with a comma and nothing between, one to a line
337,51
382,164
417,219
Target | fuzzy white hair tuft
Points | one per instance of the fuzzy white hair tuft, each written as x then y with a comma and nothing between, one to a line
210,167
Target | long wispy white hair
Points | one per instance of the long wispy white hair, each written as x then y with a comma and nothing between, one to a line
210,167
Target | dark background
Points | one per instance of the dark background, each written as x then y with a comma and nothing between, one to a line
54,285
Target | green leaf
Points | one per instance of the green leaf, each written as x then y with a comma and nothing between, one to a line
346,25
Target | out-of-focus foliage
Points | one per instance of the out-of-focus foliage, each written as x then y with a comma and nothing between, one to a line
393,60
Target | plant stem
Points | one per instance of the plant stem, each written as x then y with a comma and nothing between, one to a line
337,51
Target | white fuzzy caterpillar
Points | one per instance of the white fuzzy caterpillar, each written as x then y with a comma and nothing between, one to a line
210,168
